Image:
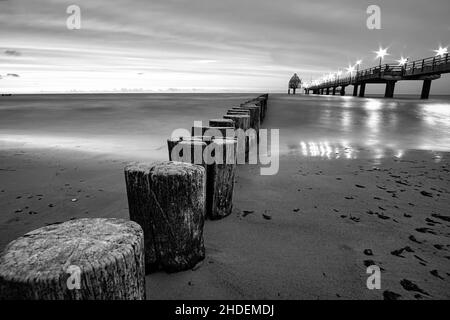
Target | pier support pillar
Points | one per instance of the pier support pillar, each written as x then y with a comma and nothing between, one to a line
355,90
426,89
328,91
342,92
334,91
321,91
390,86
362,90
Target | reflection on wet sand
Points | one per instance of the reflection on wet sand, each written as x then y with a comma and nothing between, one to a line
344,150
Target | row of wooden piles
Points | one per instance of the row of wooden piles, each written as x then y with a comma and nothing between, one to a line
106,258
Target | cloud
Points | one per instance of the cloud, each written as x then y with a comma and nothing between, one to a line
205,43
14,53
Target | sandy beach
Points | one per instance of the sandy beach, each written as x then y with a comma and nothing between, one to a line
308,232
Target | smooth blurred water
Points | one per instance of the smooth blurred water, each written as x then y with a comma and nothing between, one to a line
139,124
335,126
122,124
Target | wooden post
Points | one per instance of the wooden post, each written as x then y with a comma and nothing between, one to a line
221,123
255,115
240,121
83,259
221,178
168,200
239,111
342,92
244,141
213,131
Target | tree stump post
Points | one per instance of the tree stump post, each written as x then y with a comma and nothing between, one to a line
239,111
82,259
168,200
243,145
220,132
222,175
255,115
240,121
229,123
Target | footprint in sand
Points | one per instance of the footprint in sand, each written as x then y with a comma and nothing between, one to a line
411,286
399,252
247,212
425,230
368,252
426,194
438,216
266,216
423,262
389,295
413,239
382,216
436,274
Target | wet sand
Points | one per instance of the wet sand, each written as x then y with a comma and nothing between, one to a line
306,233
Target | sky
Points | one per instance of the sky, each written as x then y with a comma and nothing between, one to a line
207,45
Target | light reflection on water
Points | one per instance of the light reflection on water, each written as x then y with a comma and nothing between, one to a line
352,127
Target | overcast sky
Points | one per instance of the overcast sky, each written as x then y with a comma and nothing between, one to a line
245,45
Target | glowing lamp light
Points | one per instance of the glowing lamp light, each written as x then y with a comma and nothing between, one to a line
350,69
441,51
381,53
402,61
358,62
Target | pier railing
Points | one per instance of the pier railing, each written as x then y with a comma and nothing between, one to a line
409,71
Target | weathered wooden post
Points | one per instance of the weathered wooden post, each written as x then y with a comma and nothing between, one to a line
168,200
221,177
240,121
83,259
243,146
239,111
221,123
213,131
255,115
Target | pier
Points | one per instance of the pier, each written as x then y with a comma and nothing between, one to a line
425,70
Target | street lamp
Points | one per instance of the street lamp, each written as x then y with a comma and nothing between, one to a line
441,51
402,61
381,53
358,62
338,74
350,70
